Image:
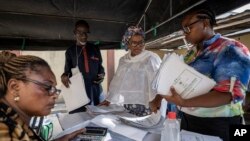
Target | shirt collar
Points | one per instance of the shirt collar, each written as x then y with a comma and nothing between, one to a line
211,41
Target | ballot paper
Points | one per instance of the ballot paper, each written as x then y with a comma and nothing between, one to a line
186,80
112,108
75,96
192,136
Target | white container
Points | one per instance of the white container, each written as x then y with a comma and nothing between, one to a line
171,131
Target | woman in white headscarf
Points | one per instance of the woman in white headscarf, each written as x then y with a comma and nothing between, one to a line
131,85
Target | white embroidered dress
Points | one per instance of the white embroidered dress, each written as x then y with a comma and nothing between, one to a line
131,83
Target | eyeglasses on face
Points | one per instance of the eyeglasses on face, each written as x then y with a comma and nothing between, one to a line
186,29
51,89
135,43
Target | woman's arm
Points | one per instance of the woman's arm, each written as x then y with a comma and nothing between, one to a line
208,100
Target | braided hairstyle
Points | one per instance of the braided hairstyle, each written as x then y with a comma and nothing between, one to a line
203,13
15,67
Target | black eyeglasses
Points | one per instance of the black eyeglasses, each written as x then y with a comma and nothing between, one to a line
186,29
135,44
51,89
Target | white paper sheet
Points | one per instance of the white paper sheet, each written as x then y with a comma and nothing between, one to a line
72,129
70,120
187,81
75,96
191,136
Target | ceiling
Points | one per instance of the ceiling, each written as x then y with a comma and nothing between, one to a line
48,24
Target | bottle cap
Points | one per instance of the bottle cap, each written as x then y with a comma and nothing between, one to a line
171,115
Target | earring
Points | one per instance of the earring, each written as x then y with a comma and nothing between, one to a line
17,98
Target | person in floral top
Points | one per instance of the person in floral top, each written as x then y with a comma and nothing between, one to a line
225,60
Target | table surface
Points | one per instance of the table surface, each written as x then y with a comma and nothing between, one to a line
67,121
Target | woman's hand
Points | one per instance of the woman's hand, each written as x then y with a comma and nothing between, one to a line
155,104
175,98
104,103
71,136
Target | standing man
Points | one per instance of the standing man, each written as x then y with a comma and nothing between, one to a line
88,59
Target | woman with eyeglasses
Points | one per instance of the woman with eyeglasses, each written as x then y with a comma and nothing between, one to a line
225,60
27,89
131,84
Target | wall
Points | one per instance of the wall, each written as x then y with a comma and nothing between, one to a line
245,39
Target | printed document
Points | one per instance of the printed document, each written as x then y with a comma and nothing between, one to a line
187,81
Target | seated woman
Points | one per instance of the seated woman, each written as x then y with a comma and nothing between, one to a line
27,88
131,85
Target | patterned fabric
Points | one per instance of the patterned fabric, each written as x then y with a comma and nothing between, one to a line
132,30
13,128
222,59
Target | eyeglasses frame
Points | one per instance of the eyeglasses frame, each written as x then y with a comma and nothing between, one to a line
51,89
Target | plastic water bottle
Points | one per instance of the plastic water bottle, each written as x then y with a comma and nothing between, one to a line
171,131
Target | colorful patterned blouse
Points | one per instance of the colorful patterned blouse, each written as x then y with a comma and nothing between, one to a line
223,60
13,128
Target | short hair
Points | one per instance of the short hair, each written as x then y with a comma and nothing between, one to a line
203,13
16,67
82,23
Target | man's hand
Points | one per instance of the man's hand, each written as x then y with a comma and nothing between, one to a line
65,80
104,103
99,78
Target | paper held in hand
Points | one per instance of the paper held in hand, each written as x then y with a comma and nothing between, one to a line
75,96
187,81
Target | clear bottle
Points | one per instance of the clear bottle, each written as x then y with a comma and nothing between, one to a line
171,131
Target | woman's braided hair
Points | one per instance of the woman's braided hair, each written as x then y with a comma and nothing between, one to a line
12,66
204,13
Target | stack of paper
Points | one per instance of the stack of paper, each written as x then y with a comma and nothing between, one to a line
112,108
187,81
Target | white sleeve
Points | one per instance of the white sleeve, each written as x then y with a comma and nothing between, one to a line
112,90
154,63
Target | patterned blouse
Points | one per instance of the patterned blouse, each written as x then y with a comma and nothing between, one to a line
13,128
223,60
